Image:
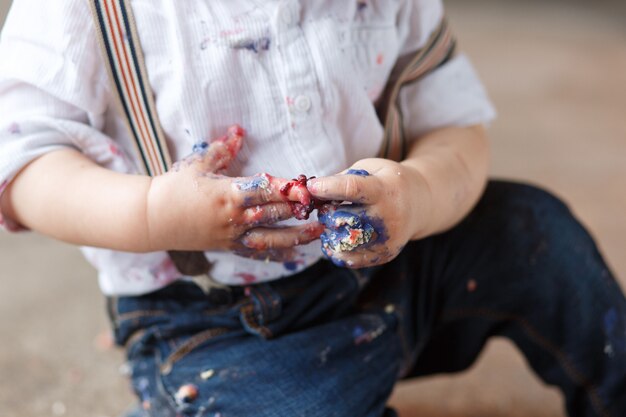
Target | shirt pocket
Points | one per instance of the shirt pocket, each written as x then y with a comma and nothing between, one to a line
252,36
372,51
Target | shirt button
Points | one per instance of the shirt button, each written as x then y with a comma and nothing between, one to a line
303,104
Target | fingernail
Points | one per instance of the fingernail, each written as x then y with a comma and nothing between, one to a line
313,185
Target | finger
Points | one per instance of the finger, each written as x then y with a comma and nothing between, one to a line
296,190
267,213
233,139
217,155
361,257
264,188
258,189
346,187
281,238
355,260
275,255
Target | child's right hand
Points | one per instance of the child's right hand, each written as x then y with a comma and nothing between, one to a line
194,207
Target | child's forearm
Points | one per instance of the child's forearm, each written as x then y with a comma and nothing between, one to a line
65,195
452,163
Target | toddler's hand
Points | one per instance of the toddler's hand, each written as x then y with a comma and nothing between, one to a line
195,207
384,204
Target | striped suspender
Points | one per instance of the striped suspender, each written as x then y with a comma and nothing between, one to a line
438,50
127,70
123,56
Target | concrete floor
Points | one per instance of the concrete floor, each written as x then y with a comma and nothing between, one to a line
558,77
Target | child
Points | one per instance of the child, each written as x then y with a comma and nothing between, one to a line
426,260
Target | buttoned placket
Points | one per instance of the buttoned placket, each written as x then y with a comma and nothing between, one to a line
302,95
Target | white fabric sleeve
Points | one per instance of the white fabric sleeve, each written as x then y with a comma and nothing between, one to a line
53,86
451,95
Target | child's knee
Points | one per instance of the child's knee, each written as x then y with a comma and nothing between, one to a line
536,232
536,215
534,204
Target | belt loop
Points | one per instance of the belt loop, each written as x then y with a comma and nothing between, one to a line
267,301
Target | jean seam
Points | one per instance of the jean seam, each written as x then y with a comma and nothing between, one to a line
138,314
158,375
570,370
189,346
409,358
133,338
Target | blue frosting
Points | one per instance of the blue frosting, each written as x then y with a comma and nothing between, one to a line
200,147
253,184
290,265
334,219
256,45
359,172
340,226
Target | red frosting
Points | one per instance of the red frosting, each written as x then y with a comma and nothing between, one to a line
302,209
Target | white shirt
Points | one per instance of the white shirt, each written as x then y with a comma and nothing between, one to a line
306,97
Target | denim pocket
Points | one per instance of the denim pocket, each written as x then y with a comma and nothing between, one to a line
170,371
317,295
183,376
237,374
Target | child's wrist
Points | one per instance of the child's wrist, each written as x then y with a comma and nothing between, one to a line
423,219
160,208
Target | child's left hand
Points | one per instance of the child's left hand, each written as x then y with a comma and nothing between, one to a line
390,205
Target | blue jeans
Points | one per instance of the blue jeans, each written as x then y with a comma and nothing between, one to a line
332,341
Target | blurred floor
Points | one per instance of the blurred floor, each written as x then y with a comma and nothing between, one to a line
557,74
558,77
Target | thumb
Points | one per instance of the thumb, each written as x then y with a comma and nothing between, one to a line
354,185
